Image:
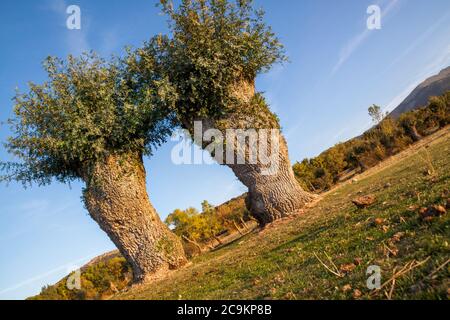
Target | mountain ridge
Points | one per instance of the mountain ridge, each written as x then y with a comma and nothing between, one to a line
432,86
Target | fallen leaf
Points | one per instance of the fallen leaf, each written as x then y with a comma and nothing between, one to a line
364,201
346,288
357,294
347,268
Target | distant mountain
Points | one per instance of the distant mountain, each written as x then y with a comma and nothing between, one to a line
433,86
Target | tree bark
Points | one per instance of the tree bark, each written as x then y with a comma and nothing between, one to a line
271,196
195,243
116,198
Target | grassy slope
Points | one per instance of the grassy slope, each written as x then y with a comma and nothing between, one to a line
280,263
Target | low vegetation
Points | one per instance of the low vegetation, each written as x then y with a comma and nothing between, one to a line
99,280
388,137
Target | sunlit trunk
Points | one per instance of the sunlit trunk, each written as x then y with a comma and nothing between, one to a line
274,192
117,200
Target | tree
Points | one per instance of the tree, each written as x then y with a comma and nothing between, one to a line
91,121
376,113
216,50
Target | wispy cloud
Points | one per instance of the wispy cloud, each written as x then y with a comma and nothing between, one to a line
63,268
358,40
419,41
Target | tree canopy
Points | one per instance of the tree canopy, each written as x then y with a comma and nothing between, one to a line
213,44
88,108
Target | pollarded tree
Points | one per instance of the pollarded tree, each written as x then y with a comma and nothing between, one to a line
92,122
216,50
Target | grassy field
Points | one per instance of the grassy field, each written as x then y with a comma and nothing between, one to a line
325,252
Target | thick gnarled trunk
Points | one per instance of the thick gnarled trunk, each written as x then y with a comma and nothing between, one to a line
117,200
273,193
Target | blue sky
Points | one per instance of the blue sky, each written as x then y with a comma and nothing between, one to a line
338,69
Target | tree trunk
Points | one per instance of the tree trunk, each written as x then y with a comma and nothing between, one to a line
244,224
195,243
218,240
273,194
116,198
413,133
237,228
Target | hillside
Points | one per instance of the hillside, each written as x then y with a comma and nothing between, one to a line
433,86
282,261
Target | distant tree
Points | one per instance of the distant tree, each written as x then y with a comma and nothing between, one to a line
207,207
92,122
216,50
376,114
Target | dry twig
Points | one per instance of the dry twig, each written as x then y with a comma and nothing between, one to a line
335,272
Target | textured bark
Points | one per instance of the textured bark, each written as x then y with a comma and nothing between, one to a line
275,196
272,196
117,200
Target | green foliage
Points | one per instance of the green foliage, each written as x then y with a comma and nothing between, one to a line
212,221
387,138
87,109
375,113
99,280
214,44
195,226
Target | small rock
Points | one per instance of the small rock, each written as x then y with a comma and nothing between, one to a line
357,294
388,185
364,201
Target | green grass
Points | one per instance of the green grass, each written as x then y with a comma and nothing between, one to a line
280,262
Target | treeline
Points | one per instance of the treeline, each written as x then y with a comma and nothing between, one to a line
203,230
388,137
